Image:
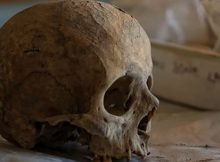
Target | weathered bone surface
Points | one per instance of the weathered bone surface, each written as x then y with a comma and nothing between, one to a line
76,70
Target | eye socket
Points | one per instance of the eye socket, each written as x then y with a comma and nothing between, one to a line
115,100
150,82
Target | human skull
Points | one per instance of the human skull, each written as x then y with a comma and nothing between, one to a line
76,70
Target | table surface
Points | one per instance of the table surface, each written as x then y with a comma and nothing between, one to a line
179,134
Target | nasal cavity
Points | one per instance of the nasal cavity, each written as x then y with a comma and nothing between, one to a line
116,99
150,82
143,125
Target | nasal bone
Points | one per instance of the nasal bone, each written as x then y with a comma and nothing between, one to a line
152,100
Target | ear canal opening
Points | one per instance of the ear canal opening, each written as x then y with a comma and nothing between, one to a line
116,99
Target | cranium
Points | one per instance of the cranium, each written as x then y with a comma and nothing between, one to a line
76,70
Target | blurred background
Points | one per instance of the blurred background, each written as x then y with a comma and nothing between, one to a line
9,8
185,39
